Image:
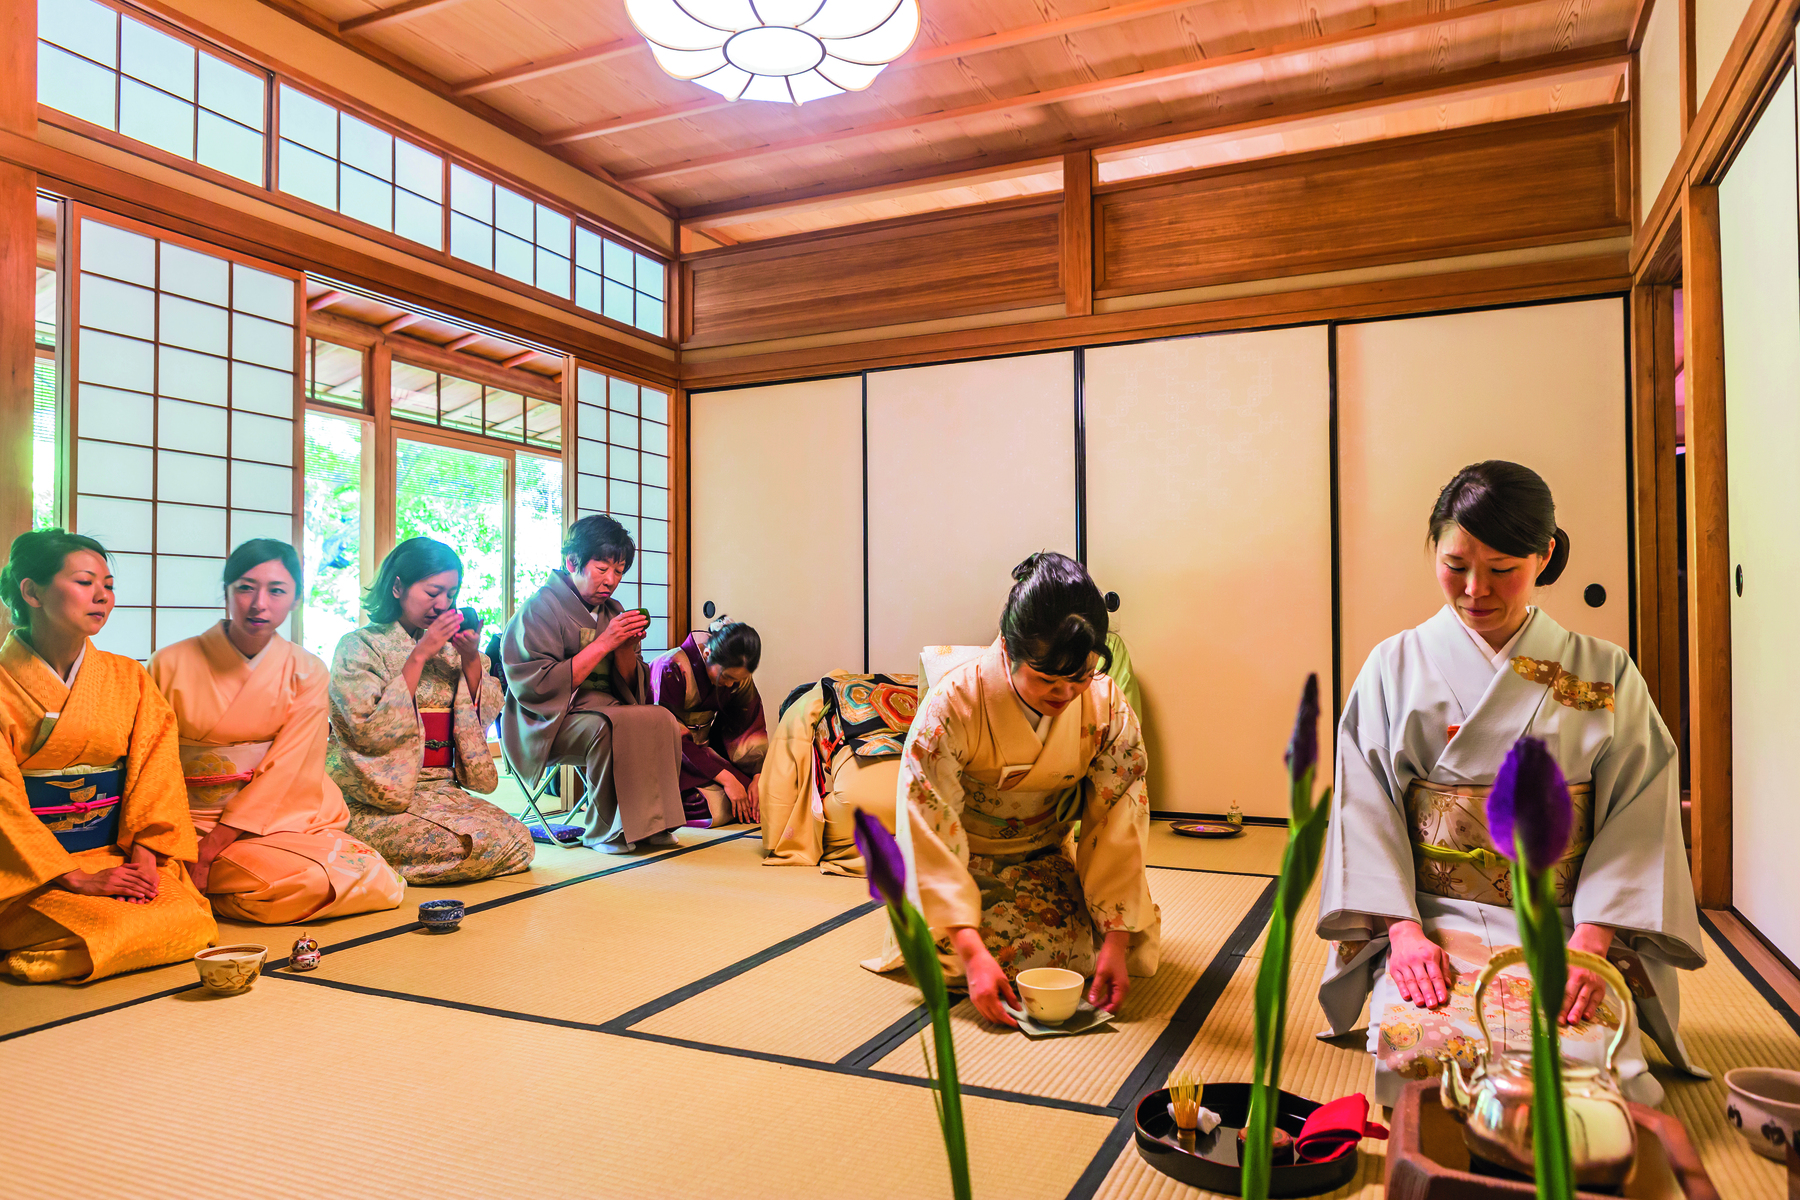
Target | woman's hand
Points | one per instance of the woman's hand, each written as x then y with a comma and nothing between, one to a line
1111,980
629,626
754,816
149,865
200,870
736,793
125,882
1586,991
437,635
988,985
1418,966
468,647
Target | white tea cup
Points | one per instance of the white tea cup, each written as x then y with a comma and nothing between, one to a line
1051,994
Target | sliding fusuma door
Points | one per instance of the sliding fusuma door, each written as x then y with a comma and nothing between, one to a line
971,467
776,523
1419,398
1760,270
1209,513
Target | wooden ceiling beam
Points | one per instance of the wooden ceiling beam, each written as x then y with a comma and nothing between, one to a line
401,322
583,57
1474,83
520,359
466,340
387,16
711,102
1097,87
323,300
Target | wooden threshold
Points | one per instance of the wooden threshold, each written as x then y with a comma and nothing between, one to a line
1765,960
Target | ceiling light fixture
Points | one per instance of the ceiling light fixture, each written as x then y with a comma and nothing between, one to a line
790,51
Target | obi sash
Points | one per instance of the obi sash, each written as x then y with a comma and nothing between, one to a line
79,804
1454,855
440,747
215,774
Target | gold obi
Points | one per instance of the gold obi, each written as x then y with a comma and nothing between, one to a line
217,773
1454,856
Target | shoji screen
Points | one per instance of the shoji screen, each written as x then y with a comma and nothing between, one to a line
971,468
622,470
1209,512
776,523
184,433
1420,398
1761,269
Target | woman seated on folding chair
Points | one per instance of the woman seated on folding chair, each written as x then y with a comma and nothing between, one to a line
706,682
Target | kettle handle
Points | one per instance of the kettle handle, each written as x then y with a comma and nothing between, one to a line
1579,958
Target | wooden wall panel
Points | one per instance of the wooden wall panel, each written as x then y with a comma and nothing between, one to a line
908,270
1522,183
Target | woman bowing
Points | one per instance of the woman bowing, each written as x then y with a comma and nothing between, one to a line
1413,891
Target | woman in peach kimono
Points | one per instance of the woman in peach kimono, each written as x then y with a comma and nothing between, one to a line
94,833
251,707
1008,751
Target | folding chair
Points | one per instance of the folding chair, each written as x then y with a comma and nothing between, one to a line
534,789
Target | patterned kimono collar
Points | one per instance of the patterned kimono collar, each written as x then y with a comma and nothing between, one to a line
1023,762
1497,707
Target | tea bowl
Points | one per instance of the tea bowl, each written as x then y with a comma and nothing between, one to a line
1051,994
1763,1104
229,970
441,916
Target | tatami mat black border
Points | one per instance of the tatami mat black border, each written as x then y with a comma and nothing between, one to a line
1763,987
888,1040
1182,1029
376,936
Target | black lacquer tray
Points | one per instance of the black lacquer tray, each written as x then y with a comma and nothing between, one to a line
1213,1163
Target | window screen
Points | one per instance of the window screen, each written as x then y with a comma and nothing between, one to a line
622,470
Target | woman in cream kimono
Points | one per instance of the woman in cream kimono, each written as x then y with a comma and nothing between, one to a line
1413,892
1007,752
94,832
411,701
251,708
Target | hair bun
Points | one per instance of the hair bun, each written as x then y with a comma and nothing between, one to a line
1559,559
1026,569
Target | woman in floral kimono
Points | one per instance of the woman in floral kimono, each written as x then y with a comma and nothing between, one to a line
251,707
1008,751
706,682
94,831
1413,891
411,702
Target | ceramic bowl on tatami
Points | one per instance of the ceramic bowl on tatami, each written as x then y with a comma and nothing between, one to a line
441,916
229,970
1763,1104
1051,994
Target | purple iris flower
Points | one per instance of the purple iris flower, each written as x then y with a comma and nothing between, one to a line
887,867
1303,748
1529,807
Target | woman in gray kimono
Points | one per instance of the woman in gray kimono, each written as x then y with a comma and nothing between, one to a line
1412,890
411,701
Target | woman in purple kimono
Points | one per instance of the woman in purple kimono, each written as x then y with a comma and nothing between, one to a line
706,682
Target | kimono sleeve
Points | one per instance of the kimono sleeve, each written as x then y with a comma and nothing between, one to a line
471,718
266,804
1635,876
30,855
1366,874
1115,823
536,659
377,741
930,800
155,814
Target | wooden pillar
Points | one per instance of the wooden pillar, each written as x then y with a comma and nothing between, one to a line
385,502
1688,74
1078,234
680,549
1653,480
18,271
1709,551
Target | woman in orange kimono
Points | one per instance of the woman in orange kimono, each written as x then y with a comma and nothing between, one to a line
94,833
253,715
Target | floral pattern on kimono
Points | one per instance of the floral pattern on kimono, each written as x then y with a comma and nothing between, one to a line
1005,859
420,819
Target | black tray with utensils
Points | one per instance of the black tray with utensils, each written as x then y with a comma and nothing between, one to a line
1212,1165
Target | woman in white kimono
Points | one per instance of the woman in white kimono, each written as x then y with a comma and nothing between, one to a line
1413,892
1006,754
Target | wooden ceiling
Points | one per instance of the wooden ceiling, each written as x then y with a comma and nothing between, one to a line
995,84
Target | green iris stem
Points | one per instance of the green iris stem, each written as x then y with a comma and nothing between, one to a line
919,949
1541,937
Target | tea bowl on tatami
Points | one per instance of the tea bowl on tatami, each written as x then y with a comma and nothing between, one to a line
1051,994
441,916
229,970
1763,1104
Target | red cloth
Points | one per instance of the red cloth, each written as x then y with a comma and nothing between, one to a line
439,748
1335,1127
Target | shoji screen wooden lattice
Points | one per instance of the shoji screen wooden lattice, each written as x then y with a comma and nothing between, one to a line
622,470
182,419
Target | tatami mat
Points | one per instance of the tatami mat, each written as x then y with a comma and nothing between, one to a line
1257,850
308,1091
1199,911
24,1006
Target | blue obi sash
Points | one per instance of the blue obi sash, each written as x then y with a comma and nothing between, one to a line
79,804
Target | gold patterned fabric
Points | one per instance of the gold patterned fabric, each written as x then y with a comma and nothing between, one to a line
1569,691
1454,855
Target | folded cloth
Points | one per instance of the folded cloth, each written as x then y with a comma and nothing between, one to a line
1086,1019
1209,1120
564,835
1335,1127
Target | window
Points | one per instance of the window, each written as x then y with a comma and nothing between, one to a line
537,522
332,545
184,401
618,282
495,227
343,163
334,374
458,497
128,75
434,398
622,470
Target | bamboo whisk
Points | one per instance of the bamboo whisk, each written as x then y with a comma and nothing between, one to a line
1184,1099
